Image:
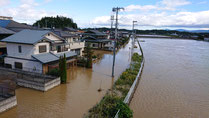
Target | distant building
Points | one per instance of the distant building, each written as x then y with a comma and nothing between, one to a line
74,43
70,30
3,34
36,51
97,39
206,39
14,26
5,18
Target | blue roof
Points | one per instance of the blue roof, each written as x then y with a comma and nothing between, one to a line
67,54
50,57
4,23
5,31
45,57
26,36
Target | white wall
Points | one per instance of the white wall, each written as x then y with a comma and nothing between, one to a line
27,64
36,51
53,37
27,50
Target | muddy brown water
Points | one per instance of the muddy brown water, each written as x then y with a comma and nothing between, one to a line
73,99
175,80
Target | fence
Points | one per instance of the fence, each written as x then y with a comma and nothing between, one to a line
6,92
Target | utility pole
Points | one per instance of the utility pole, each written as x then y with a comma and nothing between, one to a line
117,9
133,37
111,29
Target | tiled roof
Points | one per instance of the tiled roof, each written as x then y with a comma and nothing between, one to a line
51,57
5,31
64,34
26,36
70,29
95,32
45,57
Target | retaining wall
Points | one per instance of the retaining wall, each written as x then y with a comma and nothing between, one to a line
39,86
30,80
8,103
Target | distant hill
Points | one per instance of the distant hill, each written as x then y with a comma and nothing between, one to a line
193,31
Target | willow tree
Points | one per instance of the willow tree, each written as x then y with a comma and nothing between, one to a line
88,55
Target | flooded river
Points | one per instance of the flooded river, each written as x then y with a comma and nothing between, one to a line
73,99
175,80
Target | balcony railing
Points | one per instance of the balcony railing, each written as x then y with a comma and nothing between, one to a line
75,45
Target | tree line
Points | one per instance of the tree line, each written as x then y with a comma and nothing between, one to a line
55,22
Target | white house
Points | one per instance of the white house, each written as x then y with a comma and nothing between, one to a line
73,41
36,50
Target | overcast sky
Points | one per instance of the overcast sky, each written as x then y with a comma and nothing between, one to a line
150,14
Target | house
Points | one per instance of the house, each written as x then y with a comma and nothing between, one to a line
5,18
36,51
206,39
70,30
3,34
14,26
97,40
74,42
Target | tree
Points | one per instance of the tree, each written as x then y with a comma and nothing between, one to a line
88,55
57,22
63,69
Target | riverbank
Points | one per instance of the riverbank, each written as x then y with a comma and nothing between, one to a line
113,99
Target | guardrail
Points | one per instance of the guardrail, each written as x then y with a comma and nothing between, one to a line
130,94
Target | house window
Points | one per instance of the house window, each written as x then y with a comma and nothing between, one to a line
77,51
19,49
42,48
18,65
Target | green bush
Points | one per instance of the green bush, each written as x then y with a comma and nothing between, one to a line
54,72
125,111
94,56
109,106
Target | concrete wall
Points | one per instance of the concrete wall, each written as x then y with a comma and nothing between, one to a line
8,103
39,86
37,82
27,64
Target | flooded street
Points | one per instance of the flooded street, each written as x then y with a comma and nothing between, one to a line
175,80
73,99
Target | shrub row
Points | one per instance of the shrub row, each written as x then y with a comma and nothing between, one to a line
113,100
